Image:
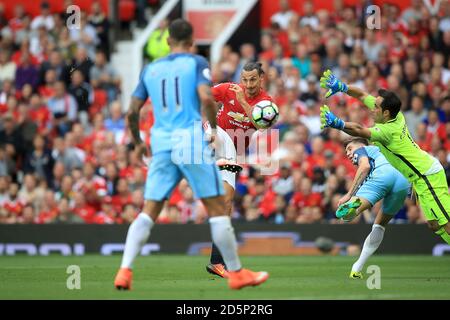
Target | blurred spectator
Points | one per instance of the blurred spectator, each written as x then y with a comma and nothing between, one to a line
129,214
248,53
63,107
39,161
55,63
309,18
7,165
66,214
318,180
301,60
311,95
45,19
412,12
81,91
416,115
111,178
99,21
82,62
66,191
434,125
104,76
65,45
82,209
115,123
411,74
7,67
444,24
283,16
11,138
306,204
31,192
28,215
284,184
40,115
191,210
123,196
423,137
85,36
332,51
12,206
68,157
4,187
371,46
312,118
26,72
26,126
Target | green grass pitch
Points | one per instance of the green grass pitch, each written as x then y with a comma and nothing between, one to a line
179,277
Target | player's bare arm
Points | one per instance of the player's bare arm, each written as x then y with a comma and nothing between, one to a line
360,176
133,124
357,93
329,120
357,130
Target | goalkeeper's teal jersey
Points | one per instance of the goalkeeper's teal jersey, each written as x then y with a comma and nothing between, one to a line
396,144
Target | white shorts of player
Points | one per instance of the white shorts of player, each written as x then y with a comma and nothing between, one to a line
225,149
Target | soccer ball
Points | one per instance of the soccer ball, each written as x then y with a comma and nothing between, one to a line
265,114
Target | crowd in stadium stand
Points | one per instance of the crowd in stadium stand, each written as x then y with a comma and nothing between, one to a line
65,152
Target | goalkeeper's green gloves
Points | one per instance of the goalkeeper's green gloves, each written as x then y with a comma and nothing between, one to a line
329,120
329,81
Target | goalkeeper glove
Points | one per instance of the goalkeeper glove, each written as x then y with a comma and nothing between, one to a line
329,81
329,120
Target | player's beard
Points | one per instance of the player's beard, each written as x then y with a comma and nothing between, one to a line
253,93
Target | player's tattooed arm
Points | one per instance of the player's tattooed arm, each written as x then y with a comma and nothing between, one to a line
133,119
360,177
140,147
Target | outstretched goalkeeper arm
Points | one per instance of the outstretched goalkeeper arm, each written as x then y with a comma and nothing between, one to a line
329,120
334,85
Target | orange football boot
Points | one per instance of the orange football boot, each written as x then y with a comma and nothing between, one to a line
217,269
123,279
245,277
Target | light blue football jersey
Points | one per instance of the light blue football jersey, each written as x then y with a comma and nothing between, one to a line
171,84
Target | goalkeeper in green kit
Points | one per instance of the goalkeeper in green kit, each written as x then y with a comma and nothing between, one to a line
392,136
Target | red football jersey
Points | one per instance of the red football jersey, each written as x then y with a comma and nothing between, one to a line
232,115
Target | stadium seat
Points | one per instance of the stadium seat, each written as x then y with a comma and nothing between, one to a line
127,10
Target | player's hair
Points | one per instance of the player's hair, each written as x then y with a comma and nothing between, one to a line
250,66
180,30
390,102
356,140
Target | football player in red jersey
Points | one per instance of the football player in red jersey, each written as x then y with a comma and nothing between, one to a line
232,138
